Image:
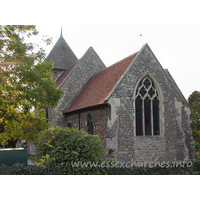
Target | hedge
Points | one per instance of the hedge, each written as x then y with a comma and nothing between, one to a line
24,169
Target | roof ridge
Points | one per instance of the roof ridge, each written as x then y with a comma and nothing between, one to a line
117,62
123,59
100,85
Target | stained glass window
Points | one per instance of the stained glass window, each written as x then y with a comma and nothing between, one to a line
147,108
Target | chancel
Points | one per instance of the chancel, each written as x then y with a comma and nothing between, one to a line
134,105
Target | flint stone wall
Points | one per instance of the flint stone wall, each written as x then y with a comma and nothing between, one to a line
88,65
115,123
175,141
100,115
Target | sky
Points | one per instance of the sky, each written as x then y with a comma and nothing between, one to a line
175,46
113,28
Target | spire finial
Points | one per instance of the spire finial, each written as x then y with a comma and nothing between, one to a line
61,32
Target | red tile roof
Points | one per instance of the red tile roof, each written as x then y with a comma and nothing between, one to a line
100,85
63,76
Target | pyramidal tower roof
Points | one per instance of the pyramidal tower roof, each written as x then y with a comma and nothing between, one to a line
62,55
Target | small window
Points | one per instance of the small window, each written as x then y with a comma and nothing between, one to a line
147,108
69,124
89,124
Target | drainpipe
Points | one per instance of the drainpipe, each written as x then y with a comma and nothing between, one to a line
79,121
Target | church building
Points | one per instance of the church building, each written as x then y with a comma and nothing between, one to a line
134,105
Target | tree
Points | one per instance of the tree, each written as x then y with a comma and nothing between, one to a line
25,84
194,102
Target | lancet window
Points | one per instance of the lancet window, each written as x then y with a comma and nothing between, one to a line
89,124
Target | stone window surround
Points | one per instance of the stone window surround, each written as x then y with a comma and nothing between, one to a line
161,106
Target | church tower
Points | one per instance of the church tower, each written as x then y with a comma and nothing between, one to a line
62,56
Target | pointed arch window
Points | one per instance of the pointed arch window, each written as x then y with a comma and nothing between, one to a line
147,108
89,124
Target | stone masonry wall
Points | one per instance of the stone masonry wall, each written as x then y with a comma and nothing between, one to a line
55,73
100,116
171,143
190,142
115,123
87,66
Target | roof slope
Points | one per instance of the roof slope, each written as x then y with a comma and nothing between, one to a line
100,85
61,79
62,55
63,76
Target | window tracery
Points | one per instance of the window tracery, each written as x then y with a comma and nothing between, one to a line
147,108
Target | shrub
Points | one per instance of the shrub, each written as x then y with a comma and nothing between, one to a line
61,146
24,169
157,170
